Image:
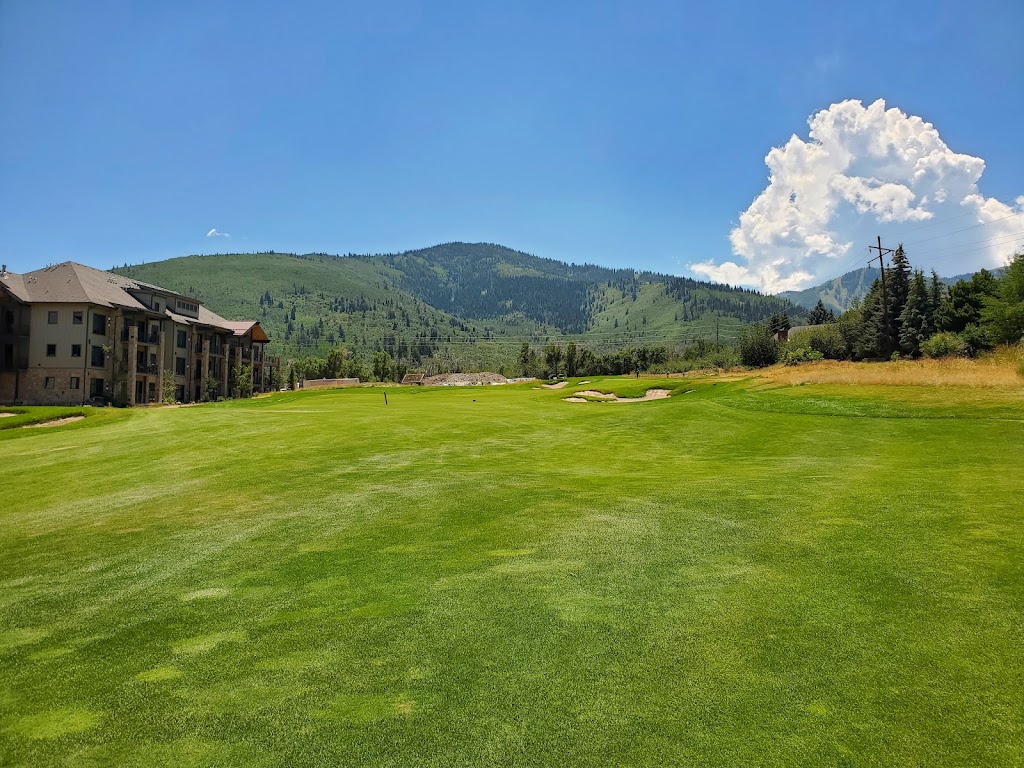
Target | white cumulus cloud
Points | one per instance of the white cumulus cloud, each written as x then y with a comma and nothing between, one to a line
214,233
866,171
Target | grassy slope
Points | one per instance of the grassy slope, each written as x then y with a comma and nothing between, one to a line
663,325
451,276
232,285
490,576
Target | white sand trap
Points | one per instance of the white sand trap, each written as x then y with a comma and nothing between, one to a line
584,382
54,422
5,415
557,385
650,394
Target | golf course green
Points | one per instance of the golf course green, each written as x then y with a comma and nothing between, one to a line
740,574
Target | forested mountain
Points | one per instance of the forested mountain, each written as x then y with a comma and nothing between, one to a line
472,303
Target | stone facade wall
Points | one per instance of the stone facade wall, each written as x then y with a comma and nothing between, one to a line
35,392
7,382
329,383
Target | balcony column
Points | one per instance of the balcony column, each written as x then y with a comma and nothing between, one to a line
225,364
238,364
133,350
160,365
205,348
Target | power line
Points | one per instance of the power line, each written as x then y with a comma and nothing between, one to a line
932,224
965,229
993,240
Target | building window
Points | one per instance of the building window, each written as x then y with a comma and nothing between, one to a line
179,393
75,382
76,350
182,339
51,317
51,350
76,318
99,325
96,388
99,358
156,306
50,382
179,366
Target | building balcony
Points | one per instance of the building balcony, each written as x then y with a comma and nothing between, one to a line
152,337
146,370
14,329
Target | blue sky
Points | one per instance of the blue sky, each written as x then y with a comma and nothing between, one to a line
625,134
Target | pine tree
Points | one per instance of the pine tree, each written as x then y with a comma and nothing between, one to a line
935,296
819,315
914,318
870,339
897,289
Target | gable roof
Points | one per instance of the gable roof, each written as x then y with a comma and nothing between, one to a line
242,327
71,283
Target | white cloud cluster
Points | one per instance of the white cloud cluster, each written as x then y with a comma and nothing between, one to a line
866,171
214,233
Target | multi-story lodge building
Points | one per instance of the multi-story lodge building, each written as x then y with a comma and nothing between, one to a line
71,334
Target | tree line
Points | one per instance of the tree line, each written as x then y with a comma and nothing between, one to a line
906,315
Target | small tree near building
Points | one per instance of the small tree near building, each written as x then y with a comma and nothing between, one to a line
167,387
243,381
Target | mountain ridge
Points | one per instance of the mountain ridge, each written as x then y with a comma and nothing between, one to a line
468,300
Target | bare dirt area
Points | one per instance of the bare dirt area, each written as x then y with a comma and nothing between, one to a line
650,394
464,379
54,422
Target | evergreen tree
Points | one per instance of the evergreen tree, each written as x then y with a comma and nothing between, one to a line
870,338
897,290
525,359
1003,315
914,319
935,296
819,315
571,359
962,306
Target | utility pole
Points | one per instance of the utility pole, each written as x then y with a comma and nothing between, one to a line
882,252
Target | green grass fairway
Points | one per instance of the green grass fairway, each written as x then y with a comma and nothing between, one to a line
737,575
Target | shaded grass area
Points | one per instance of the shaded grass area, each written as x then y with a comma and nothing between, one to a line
489,576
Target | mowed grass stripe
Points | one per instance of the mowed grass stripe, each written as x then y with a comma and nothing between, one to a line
492,576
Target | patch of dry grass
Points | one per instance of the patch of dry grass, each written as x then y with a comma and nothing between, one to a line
999,369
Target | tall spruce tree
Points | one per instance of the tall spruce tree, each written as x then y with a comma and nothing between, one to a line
897,289
819,315
871,340
935,296
914,318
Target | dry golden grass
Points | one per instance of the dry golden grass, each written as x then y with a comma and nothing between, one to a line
1000,369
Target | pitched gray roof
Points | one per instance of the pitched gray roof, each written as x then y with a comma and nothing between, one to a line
71,283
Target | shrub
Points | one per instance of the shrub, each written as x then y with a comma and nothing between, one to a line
944,344
825,339
757,347
801,355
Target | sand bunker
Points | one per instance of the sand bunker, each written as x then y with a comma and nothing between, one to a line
559,385
651,394
54,422
5,415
